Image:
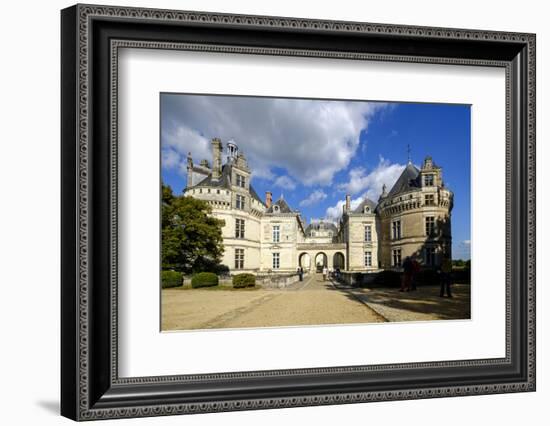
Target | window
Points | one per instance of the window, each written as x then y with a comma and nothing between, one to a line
239,228
368,258
430,256
430,225
396,257
429,180
368,233
396,229
240,181
239,258
429,199
276,260
240,202
276,209
276,233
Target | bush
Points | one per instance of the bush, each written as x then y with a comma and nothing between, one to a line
244,280
204,279
461,276
171,279
388,278
428,277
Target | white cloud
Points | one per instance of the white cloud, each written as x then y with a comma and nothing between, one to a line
311,140
170,158
368,185
315,197
466,242
285,182
177,141
335,212
371,183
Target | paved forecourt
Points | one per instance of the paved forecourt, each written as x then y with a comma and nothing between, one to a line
310,302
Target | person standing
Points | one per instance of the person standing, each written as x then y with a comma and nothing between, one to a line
415,272
407,274
445,277
325,271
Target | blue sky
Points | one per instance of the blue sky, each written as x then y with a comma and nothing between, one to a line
314,152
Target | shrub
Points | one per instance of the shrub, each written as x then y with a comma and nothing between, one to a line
171,279
244,280
428,277
461,276
388,279
204,279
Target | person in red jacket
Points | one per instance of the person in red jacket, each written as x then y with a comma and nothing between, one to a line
407,274
415,271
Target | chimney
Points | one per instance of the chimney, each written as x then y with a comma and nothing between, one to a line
348,202
189,170
268,198
217,158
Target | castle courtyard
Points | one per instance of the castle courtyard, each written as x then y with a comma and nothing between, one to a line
309,302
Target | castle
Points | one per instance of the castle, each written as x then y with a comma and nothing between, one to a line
411,219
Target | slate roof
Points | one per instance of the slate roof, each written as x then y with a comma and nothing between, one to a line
365,202
408,180
225,182
329,226
283,207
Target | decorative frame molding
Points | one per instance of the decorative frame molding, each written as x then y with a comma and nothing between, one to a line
91,37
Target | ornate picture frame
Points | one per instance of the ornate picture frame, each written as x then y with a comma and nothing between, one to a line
91,37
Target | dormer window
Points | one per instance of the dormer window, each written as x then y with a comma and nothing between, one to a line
429,180
240,180
276,209
367,209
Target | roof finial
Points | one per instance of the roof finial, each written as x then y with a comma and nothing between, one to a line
408,154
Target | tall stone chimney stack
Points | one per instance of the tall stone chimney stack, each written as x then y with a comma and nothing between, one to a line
189,170
217,158
268,198
348,202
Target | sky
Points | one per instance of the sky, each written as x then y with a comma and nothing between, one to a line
314,152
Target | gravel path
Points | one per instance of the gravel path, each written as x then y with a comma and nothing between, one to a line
311,302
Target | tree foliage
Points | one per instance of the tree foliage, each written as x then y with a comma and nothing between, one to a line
191,238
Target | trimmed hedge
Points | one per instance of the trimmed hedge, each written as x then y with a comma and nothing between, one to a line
171,279
244,280
204,279
388,278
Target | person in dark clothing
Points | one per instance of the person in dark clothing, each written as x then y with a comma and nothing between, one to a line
445,277
301,273
407,274
415,271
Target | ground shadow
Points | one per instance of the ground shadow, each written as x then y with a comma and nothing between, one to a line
425,300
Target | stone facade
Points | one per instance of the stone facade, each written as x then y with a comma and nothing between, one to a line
262,236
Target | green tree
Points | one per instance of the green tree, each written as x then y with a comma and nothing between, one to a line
191,238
